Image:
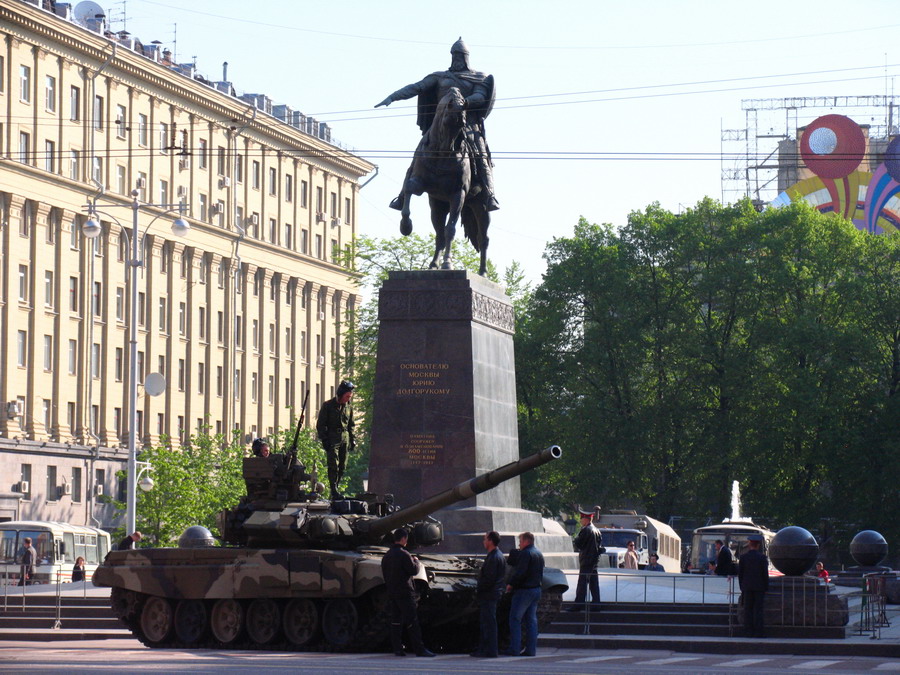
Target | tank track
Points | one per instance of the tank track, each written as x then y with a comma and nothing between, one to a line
370,636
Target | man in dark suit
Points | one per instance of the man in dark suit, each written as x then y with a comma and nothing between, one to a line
129,542
399,568
753,576
491,580
724,560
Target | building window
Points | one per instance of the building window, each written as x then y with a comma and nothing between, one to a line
201,321
163,315
22,348
271,389
120,363
239,168
287,391
272,341
48,350
288,187
73,295
319,246
73,357
49,289
52,487
24,146
303,345
49,156
95,361
304,189
201,378
288,236
142,310
223,273
273,181
23,283
202,153
97,173
121,114
182,318
334,206
143,130
70,416
221,327
304,242
203,206
255,175
164,138
120,304
77,484
160,424
220,213
98,113
220,160
220,384
74,103
121,180
347,210
204,269
25,84
181,375
273,230
254,333
254,386
238,331
97,299
74,164
50,94
257,283
164,192
47,410
320,200
287,341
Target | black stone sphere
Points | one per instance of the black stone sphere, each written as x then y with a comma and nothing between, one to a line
868,548
793,551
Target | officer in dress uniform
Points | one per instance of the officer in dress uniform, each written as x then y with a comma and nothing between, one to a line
588,543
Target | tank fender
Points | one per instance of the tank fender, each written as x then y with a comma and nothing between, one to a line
554,581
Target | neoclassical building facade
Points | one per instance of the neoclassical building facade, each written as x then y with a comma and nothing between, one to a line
241,317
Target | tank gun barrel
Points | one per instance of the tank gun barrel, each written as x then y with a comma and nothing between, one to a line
461,492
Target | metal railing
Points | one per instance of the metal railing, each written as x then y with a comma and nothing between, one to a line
57,623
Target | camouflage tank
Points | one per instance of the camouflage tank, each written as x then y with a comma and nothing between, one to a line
300,572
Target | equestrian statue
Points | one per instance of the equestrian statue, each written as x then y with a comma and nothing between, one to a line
452,162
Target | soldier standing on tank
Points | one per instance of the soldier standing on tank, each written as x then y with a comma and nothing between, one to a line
335,429
399,568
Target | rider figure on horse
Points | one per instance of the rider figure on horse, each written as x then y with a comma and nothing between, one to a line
478,90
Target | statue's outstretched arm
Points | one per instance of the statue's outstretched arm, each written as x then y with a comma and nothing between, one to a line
409,91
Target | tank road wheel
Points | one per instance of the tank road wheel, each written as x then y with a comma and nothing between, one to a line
156,620
301,621
125,604
340,621
190,621
227,620
263,621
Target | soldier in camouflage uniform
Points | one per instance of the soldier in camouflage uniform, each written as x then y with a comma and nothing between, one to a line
335,429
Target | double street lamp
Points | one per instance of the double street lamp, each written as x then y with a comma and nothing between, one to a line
92,229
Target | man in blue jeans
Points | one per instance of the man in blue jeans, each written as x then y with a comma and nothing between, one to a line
525,586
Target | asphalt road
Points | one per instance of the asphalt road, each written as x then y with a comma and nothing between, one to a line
127,656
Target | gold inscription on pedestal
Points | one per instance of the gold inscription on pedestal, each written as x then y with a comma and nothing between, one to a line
420,449
423,379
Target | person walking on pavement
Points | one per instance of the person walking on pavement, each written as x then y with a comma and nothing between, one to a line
753,577
334,427
399,568
588,543
488,592
525,586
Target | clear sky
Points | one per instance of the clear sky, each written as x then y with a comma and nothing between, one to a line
603,107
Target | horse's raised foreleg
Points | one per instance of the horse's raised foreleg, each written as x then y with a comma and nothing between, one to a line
456,204
405,220
439,211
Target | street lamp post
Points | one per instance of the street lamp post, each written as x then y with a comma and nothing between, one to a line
92,229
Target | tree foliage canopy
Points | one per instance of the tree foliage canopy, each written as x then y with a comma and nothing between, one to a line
686,351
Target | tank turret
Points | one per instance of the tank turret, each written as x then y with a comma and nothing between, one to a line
280,511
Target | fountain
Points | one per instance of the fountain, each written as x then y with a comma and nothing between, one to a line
736,516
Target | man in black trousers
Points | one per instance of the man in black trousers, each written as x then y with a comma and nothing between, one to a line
399,568
491,581
588,543
753,576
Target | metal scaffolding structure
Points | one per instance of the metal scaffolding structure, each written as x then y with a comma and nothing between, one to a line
751,162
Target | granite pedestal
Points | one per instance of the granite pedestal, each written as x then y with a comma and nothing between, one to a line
445,406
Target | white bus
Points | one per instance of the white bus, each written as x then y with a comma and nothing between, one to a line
733,534
56,545
619,526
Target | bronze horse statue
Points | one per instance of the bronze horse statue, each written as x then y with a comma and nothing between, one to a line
442,167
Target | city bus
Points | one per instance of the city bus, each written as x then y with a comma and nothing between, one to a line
56,545
733,534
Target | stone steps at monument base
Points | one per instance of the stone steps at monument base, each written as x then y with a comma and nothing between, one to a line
677,619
